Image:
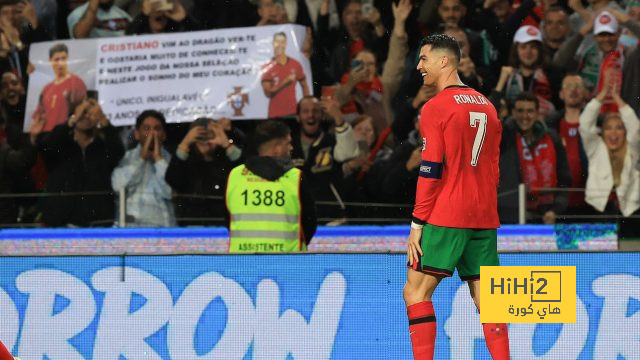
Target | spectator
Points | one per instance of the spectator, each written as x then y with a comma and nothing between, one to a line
361,90
12,104
60,95
530,72
268,186
161,17
604,54
80,156
613,185
628,38
357,32
141,172
404,122
451,14
566,123
467,70
555,28
199,170
532,154
20,29
319,154
96,19
14,170
279,78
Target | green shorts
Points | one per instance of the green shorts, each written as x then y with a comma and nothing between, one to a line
445,249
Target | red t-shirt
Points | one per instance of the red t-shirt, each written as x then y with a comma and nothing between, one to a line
571,139
459,172
55,100
284,102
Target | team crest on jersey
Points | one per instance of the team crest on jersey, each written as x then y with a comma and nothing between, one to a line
424,143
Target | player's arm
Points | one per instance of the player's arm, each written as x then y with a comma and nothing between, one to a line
431,166
270,90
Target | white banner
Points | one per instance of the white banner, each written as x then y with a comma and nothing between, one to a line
241,73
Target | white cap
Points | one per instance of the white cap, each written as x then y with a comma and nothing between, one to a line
527,33
605,22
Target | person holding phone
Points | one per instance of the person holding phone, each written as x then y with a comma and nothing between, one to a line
58,96
79,155
161,16
96,19
279,78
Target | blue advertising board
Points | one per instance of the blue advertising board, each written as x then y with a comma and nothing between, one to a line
309,306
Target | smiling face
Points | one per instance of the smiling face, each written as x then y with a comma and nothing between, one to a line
573,92
11,89
525,115
607,42
364,131
309,116
528,53
614,133
429,65
451,12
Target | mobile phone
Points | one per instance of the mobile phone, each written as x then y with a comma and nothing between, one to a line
355,63
92,94
328,92
367,8
161,5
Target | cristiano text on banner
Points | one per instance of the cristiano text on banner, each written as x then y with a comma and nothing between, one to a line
528,294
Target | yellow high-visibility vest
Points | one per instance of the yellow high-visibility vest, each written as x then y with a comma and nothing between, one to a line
265,215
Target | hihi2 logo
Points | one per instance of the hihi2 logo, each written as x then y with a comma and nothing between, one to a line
528,294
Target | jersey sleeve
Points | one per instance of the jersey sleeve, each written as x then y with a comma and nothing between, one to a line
300,75
432,164
267,72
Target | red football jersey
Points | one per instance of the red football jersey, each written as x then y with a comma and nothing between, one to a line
459,172
284,102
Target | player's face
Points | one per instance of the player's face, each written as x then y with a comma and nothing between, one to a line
279,45
59,63
607,42
614,134
573,92
451,12
525,114
11,89
556,25
428,65
310,116
528,54
150,126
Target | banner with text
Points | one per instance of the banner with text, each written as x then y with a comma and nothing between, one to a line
306,306
240,73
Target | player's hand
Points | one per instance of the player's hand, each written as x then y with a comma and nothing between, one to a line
414,251
291,78
549,217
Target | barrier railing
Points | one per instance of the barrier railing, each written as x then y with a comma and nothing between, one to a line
339,206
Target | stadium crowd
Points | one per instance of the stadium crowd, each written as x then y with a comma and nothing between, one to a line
564,77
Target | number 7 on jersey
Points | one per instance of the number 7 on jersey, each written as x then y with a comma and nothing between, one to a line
477,120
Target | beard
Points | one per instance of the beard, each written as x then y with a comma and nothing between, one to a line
106,6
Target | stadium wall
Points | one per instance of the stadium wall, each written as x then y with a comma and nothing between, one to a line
308,306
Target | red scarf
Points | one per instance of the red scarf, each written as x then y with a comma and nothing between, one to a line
538,169
613,61
368,90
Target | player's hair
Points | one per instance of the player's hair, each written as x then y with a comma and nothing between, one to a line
307,97
527,96
58,48
280,33
443,42
267,131
151,113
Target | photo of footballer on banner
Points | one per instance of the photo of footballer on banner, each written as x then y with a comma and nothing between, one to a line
240,73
